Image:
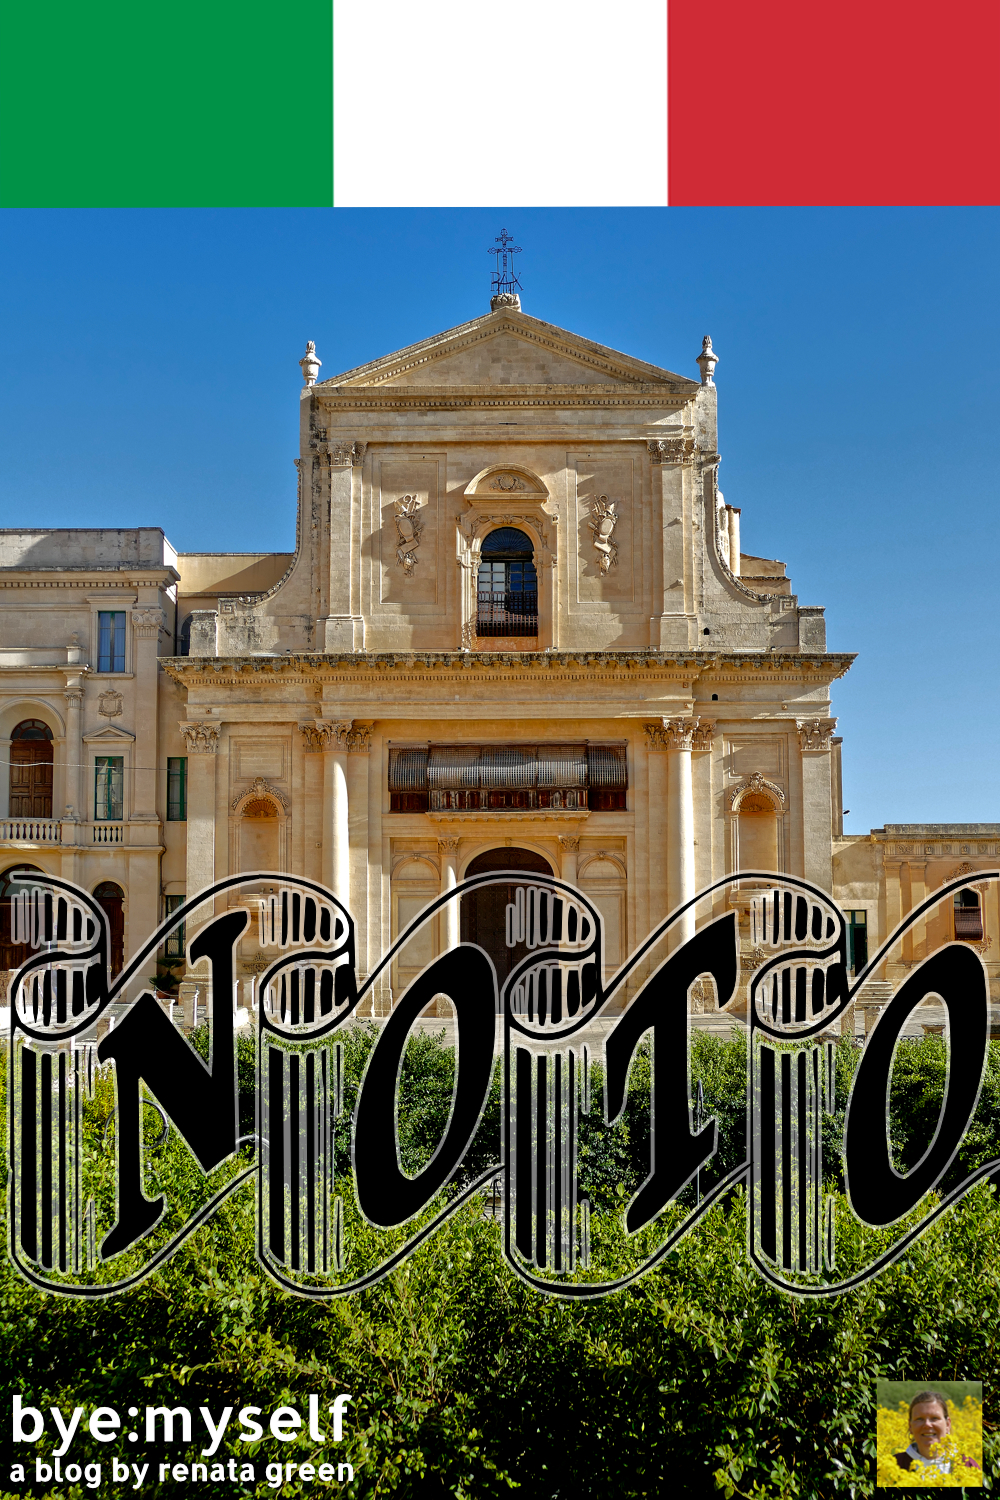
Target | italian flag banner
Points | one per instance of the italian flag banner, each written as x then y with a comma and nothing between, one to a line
383,103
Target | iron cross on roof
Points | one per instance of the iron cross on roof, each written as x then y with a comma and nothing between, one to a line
504,278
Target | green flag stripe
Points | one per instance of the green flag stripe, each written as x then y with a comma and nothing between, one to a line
192,103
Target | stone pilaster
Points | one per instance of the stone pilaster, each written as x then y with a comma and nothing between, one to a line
201,743
450,916
569,859
147,622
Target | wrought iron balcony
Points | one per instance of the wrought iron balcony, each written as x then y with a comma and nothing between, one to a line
510,613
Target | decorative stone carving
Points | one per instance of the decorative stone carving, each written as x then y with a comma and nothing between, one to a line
677,450
312,737
359,737
505,300
815,734
507,483
147,621
343,734
707,361
408,530
752,959
110,704
200,739
756,783
341,454
680,734
309,364
602,523
257,964
448,846
569,843
260,788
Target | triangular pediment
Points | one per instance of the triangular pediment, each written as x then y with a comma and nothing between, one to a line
507,348
111,735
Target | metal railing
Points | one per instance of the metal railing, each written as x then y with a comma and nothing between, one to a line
510,613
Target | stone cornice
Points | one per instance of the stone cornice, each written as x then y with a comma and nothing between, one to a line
92,578
268,671
449,398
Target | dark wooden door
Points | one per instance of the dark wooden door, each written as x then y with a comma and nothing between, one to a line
31,778
484,913
12,955
112,898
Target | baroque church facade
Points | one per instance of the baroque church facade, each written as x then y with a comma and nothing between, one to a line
518,632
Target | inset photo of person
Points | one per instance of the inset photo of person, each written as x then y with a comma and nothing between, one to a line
930,1434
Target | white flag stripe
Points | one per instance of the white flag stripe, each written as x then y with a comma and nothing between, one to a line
450,103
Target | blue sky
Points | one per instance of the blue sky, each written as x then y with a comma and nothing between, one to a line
151,378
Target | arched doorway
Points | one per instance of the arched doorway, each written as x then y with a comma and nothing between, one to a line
31,770
12,955
507,586
484,913
111,898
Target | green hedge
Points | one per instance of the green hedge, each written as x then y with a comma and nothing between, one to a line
698,1379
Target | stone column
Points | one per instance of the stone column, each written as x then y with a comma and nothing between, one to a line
569,860
733,521
201,743
816,743
312,811
75,810
918,890
359,742
336,828
679,735
451,926
147,621
657,830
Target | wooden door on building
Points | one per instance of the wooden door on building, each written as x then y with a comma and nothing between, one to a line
12,955
111,898
31,770
484,913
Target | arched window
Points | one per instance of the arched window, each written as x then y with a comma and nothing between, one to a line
507,586
31,770
111,898
968,917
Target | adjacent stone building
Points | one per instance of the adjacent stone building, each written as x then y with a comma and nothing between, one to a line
518,631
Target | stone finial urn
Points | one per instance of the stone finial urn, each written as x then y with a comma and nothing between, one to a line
707,360
309,364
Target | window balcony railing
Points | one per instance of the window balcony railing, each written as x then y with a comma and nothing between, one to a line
109,833
969,924
510,613
31,831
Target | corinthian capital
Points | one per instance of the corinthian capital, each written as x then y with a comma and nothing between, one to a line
680,734
816,734
147,620
200,739
674,450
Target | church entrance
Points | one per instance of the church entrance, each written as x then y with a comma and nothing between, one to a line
484,913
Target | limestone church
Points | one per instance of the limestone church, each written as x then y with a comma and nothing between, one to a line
519,631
